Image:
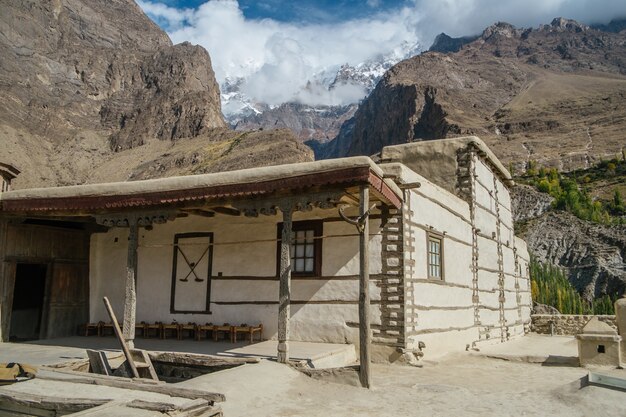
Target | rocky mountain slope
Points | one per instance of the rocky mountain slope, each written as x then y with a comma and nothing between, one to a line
594,255
91,90
555,94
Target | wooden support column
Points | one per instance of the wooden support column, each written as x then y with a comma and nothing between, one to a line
130,300
4,296
284,297
364,293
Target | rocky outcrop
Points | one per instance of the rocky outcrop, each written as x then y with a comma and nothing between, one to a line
593,254
444,43
94,91
529,203
520,90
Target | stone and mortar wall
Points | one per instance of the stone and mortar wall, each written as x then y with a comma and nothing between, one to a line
565,324
391,331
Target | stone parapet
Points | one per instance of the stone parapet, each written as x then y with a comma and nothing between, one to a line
565,324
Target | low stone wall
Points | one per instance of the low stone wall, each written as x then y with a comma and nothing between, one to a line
565,324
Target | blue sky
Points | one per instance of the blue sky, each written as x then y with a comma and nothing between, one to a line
305,11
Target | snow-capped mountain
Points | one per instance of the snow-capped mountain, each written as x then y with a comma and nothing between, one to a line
321,105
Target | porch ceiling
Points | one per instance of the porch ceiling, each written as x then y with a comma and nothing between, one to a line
220,189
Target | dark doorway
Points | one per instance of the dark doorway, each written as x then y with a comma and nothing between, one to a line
28,296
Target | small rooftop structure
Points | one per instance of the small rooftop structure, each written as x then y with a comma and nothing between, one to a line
598,344
445,160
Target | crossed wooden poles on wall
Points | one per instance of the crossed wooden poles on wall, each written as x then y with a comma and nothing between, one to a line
192,265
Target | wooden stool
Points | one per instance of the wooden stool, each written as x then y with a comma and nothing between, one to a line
92,326
189,327
141,327
206,328
226,328
172,326
105,327
154,326
244,328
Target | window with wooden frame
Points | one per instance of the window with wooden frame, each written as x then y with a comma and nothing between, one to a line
434,247
306,248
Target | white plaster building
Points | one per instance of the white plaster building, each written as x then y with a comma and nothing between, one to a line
445,269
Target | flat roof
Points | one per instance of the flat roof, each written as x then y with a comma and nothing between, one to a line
444,147
165,191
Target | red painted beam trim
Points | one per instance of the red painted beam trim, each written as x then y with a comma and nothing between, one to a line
346,176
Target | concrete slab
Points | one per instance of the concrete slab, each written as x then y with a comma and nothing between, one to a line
535,348
318,355
53,351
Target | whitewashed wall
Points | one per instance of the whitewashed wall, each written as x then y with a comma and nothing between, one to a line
244,287
442,308
443,313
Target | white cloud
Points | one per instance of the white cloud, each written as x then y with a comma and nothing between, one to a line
277,59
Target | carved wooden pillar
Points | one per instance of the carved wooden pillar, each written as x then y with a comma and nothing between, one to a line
130,300
284,297
4,325
364,293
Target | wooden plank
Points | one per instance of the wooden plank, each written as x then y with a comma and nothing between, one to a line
364,295
607,381
98,362
284,295
58,405
135,385
130,300
199,359
118,334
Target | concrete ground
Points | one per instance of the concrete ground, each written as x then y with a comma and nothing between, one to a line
458,385
466,384
535,348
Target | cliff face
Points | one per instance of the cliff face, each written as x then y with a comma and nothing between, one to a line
592,254
90,90
520,90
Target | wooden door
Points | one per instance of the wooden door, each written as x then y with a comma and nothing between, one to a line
67,299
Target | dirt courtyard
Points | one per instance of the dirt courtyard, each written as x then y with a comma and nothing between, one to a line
458,385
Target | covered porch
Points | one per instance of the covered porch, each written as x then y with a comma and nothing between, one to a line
228,248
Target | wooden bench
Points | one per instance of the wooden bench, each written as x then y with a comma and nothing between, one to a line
251,330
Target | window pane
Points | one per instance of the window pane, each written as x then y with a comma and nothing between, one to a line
310,250
299,236
299,265
299,251
310,234
308,267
